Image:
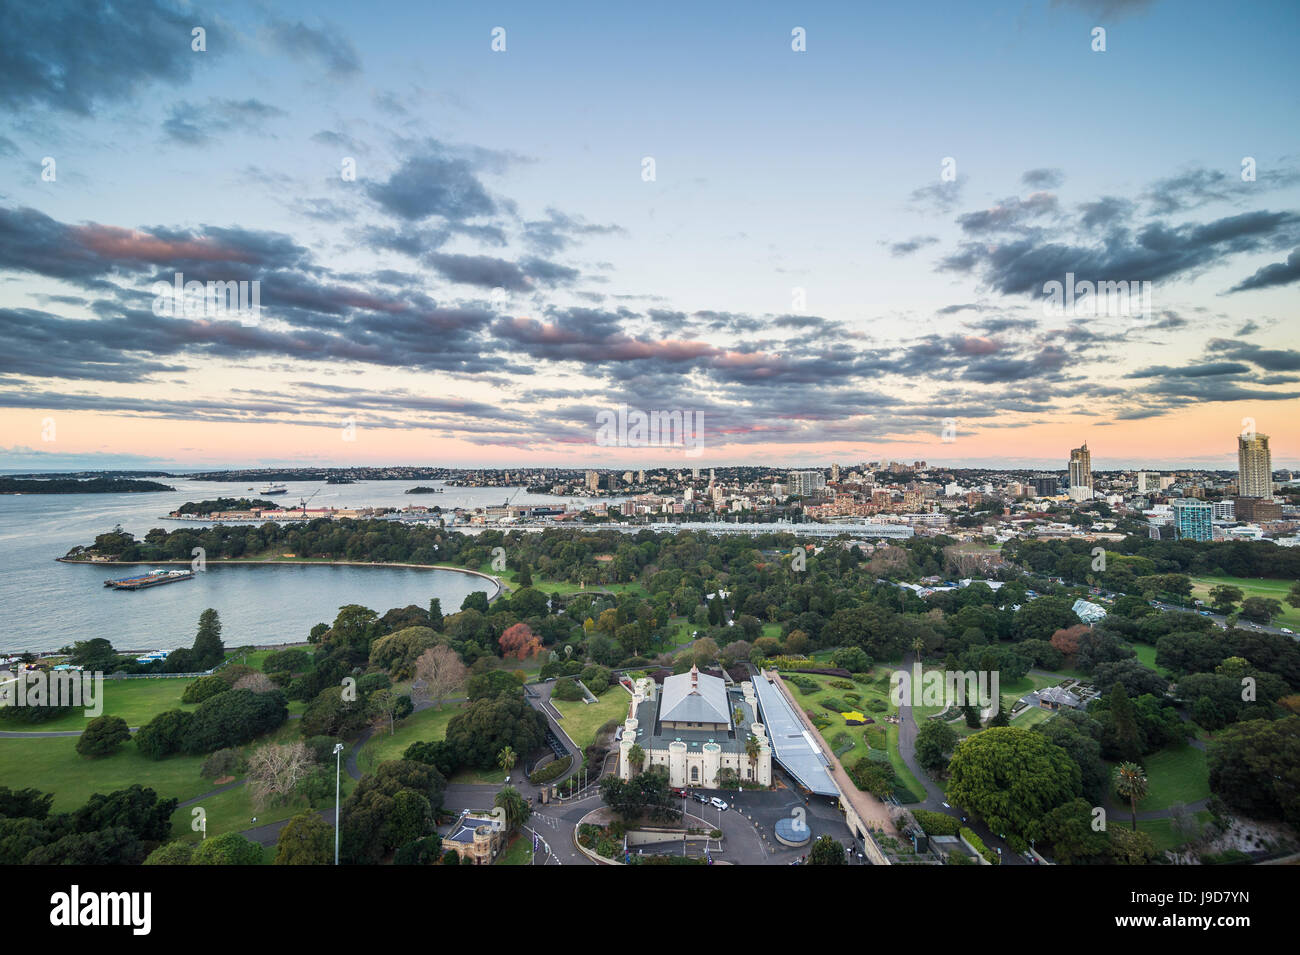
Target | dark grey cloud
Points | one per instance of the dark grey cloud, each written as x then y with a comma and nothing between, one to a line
70,56
1155,253
558,231
1271,276
435,180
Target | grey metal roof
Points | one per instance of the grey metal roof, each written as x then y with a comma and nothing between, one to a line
703,702
792,745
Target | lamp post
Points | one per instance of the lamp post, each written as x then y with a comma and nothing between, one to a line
338,765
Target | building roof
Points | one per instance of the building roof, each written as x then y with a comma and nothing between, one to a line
694,698
1059,695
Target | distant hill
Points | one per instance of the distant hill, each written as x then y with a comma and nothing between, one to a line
74,486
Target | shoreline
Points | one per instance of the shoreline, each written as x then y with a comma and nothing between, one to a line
496,581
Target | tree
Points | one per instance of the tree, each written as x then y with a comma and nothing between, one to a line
102,736
1224,596
934,741
753,749
230,848
382,705
485,727
636,758
1011,778
172,853
1131,784
164,734
1293,596
506,759
520,642
306,840
826,851
1255,768
441,672
276,769
435,613
1260,609
516,807
1003,715
208,650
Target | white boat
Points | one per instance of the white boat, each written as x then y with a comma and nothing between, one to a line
274,489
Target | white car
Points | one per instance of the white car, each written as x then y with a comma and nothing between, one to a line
1287,630
718,804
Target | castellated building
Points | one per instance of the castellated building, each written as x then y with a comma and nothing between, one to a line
696,727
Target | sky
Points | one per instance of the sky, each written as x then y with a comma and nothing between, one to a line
823,231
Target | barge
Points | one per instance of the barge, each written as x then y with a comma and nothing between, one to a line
152,579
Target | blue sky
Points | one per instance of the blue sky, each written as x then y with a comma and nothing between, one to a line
776,171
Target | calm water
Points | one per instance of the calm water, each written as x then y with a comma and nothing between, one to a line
47,605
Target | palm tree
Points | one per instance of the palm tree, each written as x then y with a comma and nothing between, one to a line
1131,784
506,759
752,749
635,758
737,715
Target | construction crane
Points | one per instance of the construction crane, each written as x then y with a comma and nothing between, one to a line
302,503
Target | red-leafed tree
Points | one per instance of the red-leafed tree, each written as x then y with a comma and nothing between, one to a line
1067,640
520,642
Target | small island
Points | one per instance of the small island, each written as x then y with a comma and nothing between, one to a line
223,504
101,485
424,489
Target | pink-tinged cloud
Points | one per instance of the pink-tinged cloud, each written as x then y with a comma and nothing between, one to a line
115,242
977,345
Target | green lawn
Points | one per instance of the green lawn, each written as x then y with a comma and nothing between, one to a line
136,701
426,726
1146,655
582,720
53,765
519,852
1178,774
1159,829
1254,587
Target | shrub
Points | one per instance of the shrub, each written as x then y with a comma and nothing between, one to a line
232,718
566,690
224,762
164,734
230,848
205,687
102,736
551,771
936,823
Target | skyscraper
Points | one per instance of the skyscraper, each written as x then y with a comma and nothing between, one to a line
1193,520
804,483
1254,466
1081,474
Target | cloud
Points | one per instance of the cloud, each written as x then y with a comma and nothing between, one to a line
436,181
71,57
1042,178
193,125
1272,276
325,45
914,244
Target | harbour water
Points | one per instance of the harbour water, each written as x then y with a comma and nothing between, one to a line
48,605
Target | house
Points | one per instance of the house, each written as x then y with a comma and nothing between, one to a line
1056,697
476,838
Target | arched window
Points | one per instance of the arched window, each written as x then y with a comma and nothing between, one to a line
695,774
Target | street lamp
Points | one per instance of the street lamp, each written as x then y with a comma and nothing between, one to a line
338,764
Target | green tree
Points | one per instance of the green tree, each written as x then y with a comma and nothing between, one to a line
208,650
1131,784
934,741
230,848
826,851
102,736
306,840
516,807
506,759
1260,609
1011,778
1223,597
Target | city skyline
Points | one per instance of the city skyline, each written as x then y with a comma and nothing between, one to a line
843,253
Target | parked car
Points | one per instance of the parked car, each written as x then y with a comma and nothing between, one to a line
679,793
1286,630
718,804
700,797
